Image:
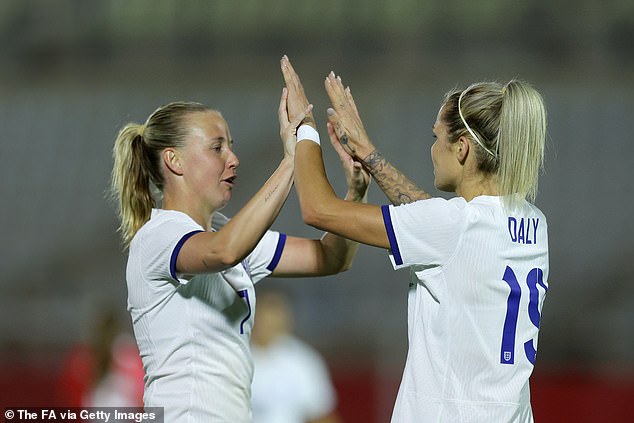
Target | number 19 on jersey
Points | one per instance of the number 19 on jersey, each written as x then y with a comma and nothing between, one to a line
535,277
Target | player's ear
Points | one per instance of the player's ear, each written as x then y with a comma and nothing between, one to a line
172,160
462,149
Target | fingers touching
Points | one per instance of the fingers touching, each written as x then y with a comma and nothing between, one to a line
297,100
343,115
288,125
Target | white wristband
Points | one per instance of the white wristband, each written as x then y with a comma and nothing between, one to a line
307,132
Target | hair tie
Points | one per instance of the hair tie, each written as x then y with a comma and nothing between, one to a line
475,137
142,131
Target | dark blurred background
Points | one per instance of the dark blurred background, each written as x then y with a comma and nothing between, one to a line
72,72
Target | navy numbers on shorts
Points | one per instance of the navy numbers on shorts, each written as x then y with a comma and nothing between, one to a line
535,277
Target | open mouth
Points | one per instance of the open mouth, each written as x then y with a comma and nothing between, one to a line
230,180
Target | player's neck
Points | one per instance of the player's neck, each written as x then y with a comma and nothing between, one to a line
478,185
201,214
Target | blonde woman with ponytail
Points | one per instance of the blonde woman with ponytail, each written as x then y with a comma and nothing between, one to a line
478,262
191,271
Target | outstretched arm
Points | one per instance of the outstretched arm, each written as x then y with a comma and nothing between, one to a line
350,131
215,251
322,209
398,188
332,253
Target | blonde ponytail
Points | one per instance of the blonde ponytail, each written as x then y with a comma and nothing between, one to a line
508,125
522,138
131,181
137,162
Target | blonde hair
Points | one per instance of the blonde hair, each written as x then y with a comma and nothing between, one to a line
509,126
137,162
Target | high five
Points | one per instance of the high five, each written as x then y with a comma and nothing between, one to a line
475,295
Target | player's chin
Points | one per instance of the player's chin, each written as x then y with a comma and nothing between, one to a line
442,185
223,200
226,199
437,183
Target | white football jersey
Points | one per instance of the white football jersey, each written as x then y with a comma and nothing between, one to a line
478,278
193,331
291,383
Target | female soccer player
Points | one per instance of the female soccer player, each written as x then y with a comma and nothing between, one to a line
478,262
191,271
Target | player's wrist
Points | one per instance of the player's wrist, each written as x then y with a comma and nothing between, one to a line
307,132
309,120
288,161
366,155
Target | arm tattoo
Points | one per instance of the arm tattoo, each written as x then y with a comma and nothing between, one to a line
397,187
269,194
345,142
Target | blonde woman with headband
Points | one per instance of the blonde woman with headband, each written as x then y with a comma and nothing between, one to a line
191,271
478,263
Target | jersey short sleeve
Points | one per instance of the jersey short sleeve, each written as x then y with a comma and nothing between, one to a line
161,244
266,254
425,232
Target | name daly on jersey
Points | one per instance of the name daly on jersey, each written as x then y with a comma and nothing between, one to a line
523,230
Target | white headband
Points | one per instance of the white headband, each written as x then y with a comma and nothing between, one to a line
475,137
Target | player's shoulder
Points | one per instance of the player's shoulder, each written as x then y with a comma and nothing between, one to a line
162,219
526,209
536,210
435,203
164,224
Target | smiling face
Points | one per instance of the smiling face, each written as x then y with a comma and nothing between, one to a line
209,164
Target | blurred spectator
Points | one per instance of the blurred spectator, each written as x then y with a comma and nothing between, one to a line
104,372
291,383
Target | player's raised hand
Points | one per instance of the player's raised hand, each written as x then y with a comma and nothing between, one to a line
288,128
297,102
345,119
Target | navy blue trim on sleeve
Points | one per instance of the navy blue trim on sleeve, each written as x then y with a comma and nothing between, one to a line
278,253
177,250
387,220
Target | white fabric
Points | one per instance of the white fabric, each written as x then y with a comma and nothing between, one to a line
291,383
197,363
307,132
459,254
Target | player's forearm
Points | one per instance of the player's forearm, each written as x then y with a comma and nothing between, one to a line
322,209
339,251
313,188
241,234
398,188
